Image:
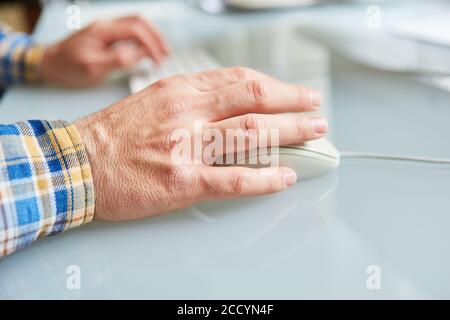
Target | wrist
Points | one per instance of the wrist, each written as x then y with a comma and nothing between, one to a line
94,139
46,72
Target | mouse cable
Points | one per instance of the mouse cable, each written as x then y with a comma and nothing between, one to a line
396,157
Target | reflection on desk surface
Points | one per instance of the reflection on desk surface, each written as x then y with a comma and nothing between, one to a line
198,238
315,240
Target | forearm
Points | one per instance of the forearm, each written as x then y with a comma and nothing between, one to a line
45,182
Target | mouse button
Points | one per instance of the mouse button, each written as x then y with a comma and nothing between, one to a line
321,146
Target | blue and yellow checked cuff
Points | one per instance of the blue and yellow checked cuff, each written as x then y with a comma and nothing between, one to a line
20,58
45,182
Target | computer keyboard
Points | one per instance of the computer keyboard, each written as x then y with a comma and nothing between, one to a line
180,63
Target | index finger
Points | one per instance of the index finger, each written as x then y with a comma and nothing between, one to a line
151,29
261,96
132,28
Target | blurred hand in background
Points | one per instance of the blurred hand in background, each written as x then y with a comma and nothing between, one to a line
88,56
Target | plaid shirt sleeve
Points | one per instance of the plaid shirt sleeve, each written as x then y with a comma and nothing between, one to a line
45,182
19,58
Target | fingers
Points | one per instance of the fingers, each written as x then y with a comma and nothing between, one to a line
261,96
157,35
122,57
238,182
292,128
151,29
137,29
218,78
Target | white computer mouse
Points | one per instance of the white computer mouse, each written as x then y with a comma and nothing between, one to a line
310,159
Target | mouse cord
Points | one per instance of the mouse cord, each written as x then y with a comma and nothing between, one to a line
397,157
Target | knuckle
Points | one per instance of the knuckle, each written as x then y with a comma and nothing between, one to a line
241,184
162,83
138,18
303,95
251,122
274,185
182,178
213,186
304,129
168,142
257,90
300,127
240,73
122,60
136,28
174,108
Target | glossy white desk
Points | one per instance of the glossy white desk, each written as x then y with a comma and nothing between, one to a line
315,240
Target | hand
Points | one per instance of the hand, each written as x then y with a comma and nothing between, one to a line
88,56
129,144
